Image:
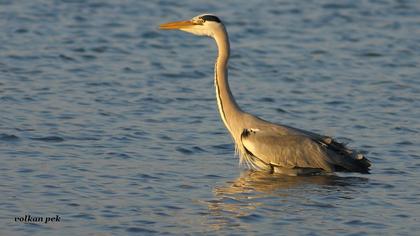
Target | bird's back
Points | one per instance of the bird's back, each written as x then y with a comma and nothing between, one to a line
287,147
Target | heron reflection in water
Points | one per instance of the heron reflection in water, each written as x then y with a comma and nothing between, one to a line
261,182
255,192
263,145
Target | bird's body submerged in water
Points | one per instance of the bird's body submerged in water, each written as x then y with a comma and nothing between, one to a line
263,145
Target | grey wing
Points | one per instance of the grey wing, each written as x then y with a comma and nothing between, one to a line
300,151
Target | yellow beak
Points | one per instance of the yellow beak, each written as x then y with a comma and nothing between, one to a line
176,25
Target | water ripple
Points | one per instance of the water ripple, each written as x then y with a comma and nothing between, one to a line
49,139
8,137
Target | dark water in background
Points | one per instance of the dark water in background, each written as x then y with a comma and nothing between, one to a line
113,125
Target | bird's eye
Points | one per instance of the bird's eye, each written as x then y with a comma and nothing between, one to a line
198,21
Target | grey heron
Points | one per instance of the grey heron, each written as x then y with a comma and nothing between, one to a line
263,145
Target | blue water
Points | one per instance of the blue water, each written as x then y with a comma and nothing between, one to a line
112,124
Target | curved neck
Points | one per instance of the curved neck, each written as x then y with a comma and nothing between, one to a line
229,111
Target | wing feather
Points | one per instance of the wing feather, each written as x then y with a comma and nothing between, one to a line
288,151
267,144
296,149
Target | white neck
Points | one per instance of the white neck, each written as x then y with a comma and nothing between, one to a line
228,109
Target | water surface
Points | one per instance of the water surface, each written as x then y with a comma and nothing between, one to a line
113,125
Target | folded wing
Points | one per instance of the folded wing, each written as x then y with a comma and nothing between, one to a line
302,151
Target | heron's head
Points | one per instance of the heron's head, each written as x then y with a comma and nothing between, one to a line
202,25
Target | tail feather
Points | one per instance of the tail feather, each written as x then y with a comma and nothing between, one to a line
350,160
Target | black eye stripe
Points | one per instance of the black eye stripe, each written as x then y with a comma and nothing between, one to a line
210,18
